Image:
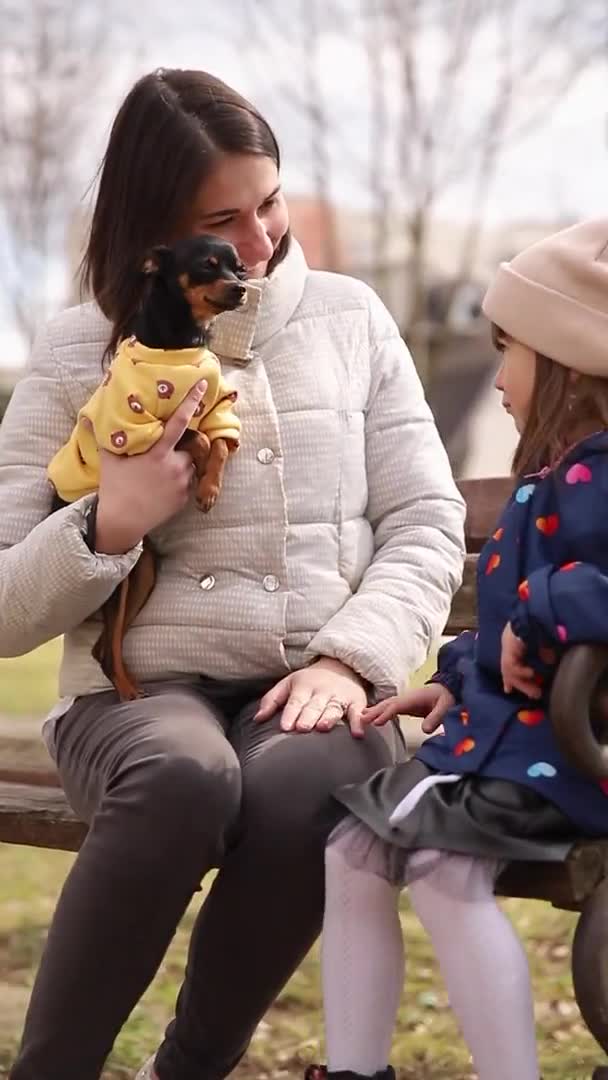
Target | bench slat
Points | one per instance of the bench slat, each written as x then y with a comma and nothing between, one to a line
565,885
485,500
463,614
38,817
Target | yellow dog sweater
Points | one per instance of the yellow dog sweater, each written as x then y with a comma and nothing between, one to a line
140,391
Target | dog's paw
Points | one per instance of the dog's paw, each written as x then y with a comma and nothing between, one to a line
207,498
129,691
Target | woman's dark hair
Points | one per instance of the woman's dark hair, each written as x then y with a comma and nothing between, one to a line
560,411
164,143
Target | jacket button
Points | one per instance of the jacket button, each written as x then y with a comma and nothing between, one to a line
265,456
271,583
207,583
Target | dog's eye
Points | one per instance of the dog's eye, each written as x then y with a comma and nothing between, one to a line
203,270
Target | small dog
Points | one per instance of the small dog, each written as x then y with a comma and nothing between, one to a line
153,369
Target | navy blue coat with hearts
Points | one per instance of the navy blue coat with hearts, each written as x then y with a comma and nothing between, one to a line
545,570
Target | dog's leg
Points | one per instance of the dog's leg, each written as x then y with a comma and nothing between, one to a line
198,446
103,650
127,688
142,580
210,484
118,613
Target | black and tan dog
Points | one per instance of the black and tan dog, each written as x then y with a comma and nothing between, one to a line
154,368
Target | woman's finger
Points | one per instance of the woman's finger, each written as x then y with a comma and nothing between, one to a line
312,712
179,420
332,714
293,708
273,700
354,718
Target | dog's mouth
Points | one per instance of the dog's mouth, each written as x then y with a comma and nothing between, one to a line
226,303
208,300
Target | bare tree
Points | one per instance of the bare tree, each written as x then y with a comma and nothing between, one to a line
376,40
428,122
55,61
282,42
424,58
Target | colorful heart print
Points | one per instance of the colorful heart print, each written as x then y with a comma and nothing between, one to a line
523,590
569,566
493,562
530,717
464,717
548,525
578,474
464,747
498,534
524,492
562,633
542,768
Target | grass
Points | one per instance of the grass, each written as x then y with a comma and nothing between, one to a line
427,1044
28,684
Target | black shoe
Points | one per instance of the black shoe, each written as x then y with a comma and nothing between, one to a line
320,1072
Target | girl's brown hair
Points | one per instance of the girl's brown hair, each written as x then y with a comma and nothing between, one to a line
562,410
163,145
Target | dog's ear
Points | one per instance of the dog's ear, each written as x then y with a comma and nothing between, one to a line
156,259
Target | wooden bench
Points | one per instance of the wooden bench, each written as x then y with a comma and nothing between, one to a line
37,814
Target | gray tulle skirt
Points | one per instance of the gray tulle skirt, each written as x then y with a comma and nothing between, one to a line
467,815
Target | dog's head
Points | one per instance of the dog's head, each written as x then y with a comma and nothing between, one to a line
205,271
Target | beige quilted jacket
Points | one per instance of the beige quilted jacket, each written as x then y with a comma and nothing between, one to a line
339,530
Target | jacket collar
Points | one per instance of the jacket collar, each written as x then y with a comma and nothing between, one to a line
596,443
271,303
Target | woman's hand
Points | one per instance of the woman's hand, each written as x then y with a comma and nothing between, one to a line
432,702
140,491
319,696
515,674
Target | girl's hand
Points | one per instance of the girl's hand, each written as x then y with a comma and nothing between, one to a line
317,697
432,702
140,491
515,674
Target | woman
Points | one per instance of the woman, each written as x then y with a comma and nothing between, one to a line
317,584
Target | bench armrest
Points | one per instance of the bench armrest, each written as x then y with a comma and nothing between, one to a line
578,722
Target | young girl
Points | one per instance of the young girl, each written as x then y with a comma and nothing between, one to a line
493,785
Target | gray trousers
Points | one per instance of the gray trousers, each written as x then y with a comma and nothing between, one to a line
173,785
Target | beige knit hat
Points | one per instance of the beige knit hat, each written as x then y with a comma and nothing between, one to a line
554,297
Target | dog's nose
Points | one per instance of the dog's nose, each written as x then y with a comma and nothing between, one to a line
239,294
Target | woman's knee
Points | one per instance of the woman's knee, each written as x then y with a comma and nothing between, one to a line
289,788
179,802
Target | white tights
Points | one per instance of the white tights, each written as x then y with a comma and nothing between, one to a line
481,958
